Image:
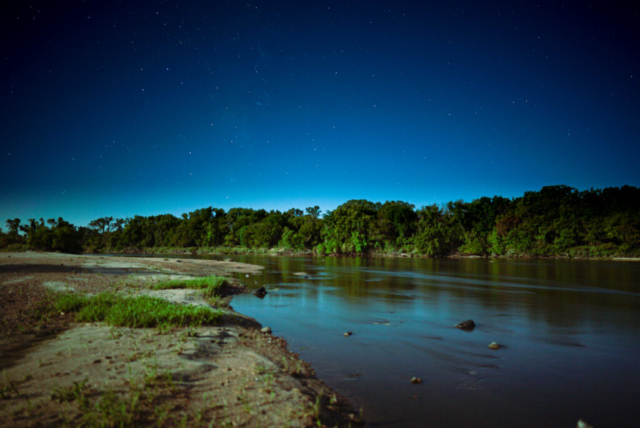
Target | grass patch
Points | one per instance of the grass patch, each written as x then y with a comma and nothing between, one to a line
70,302
209,285
135,405
135,312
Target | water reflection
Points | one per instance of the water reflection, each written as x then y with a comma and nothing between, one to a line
570,330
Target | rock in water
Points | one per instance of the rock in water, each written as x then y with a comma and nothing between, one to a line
260,292
583,424
494,345
416,380
266,330
466,325
347,334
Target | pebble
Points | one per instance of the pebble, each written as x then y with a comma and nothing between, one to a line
266,330
466,325
347,334
494,345
416,380
260,292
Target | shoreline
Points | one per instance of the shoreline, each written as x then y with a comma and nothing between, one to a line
278,252
58,371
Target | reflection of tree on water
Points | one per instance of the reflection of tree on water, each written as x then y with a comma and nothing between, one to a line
559,293
557,320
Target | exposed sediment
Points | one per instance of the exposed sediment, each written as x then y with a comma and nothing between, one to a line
57,371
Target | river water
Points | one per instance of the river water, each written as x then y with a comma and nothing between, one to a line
570,332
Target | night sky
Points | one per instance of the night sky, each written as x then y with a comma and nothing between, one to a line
151,107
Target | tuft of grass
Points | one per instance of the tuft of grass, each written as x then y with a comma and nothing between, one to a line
143,402
210,285
135,312
75,392
70,302
8,389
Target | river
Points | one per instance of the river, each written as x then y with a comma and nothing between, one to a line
570,332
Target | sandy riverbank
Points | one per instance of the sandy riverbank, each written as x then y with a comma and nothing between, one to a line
57,371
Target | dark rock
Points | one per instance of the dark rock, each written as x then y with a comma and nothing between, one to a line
466,325
260,292
347,334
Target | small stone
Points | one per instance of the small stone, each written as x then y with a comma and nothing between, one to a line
466,325
266,330
416,380
347,334
494,345
583,424
260,292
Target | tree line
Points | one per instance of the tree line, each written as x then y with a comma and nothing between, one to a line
555,221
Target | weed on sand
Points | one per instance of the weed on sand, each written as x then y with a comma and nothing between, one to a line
209,285
141,311
135,406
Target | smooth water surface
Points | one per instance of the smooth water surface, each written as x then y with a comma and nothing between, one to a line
570,330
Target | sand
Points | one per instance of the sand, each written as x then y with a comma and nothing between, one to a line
59,372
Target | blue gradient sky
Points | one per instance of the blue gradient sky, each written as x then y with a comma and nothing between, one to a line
148,107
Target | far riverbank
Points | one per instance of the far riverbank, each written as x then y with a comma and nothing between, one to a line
242,251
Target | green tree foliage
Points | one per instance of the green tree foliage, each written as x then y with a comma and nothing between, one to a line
350,226
12,240
239,218
13,226
302,232
395,225
61,236
313,212
265,233
557,220
438,232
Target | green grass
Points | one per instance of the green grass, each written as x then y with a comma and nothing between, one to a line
134,312
70,302
210,285
137,405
